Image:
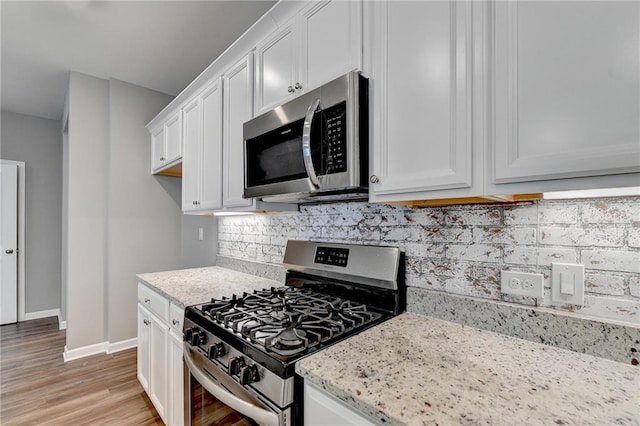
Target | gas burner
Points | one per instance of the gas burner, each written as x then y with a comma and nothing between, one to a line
287,341
288,320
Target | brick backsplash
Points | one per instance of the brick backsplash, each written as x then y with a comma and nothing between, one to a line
462,249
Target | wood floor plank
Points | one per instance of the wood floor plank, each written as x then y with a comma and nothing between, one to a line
38,388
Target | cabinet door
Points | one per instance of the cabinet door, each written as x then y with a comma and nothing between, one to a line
176,381
158,348
191,160
144,330
326,55
566,77
422,87
157,149
173,130
322,409
211,153
237,109
275,69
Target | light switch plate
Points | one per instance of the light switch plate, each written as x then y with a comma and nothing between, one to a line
521,283
563,272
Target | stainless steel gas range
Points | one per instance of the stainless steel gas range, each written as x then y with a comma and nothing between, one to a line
240,352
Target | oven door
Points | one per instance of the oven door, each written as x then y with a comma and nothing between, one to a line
213,398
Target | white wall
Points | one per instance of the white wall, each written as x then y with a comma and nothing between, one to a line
196,253
121,220
86,210
144,213
37,142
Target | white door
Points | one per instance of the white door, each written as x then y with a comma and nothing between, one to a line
9,245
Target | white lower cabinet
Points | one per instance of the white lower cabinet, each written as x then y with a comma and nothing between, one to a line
144,329
158,339
176,380
160,368
321,409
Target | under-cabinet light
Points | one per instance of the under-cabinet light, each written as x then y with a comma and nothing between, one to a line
232,213
593,193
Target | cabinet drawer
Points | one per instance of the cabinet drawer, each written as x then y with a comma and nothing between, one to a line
154,302
176,317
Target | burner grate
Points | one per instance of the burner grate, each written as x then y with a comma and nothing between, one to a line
288,320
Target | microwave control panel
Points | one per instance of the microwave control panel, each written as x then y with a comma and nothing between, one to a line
336,139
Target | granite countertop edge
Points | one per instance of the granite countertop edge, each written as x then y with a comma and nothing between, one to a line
185,287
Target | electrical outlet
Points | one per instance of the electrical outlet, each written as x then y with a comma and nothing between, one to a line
521,283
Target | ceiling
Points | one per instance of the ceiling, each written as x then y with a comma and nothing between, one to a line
160,45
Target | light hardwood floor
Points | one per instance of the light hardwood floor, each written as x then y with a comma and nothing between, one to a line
38,388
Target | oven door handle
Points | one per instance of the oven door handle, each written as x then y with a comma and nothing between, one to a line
256,413
306,143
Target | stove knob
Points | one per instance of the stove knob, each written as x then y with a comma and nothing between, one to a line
198,338
188,335
249,375
216,350
236,364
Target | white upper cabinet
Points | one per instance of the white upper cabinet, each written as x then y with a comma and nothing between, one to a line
166,145
237,108
211,153
275,69
157,149
191,160
173,135
202,160
566,82
321,43
422,101
331,41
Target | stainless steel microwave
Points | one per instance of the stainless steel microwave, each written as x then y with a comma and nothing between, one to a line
313,148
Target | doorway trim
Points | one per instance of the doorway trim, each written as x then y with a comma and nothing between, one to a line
21,240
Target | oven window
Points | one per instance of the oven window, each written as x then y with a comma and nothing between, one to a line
206,410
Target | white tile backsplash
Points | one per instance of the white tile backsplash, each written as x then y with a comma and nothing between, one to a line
461,249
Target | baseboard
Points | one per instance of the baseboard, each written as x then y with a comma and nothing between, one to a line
99,348
42,314
122,345
70,355
62,325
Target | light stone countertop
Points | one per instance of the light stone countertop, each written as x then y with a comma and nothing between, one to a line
418,370
186,287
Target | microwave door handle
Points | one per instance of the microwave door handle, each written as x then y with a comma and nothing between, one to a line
258,414
306,143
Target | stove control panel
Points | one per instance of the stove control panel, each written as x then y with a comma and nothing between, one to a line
332,256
